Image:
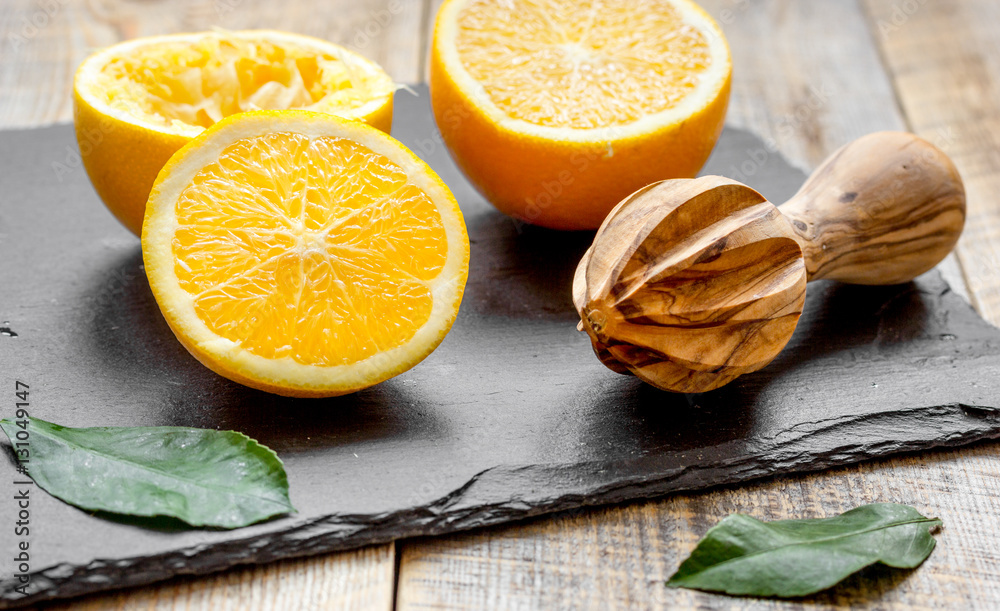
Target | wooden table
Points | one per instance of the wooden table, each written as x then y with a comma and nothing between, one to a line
809,75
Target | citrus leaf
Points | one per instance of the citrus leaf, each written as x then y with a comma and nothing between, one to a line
200,476
741,555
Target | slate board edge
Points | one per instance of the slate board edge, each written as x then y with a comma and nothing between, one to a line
326,535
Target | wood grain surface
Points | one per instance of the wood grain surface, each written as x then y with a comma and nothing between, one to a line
618,558
809,77
690,284
43,41
882,209
362,579
944,58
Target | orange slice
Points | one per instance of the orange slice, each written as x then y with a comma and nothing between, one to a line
138,102
558,109
303,254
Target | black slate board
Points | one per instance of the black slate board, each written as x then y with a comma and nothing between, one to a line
512,416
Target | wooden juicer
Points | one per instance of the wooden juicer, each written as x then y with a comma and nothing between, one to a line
691,283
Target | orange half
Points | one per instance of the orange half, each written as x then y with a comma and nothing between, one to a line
303,254
558,109
136,103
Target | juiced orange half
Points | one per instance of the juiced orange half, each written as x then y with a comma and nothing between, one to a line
138,102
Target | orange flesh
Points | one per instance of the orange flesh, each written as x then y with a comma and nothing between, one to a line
315,249
199,83
566,63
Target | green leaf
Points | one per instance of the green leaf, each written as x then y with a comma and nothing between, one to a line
741,555
200,476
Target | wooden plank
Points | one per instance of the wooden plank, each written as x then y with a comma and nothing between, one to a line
619,558
805,75
944,59
43,42
808,76
361,579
